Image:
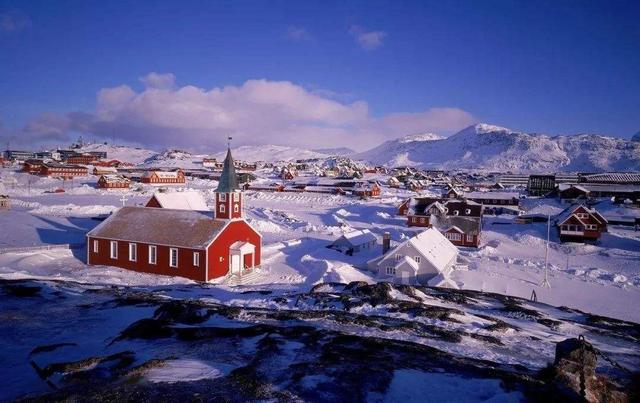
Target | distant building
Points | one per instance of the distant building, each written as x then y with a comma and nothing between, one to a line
164,178
16,155
496,202
191,200
113,182
540,185
579,223
63,171
104,170
32,166
83,159
366,189
354,242
427,258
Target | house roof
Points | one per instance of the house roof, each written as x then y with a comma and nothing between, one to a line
180,228
492,195
466,225
228,180
162,174
359,237
432,245
191,200
569,211
115,178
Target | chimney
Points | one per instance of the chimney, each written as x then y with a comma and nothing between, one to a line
386,242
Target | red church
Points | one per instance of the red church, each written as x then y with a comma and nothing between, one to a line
194,244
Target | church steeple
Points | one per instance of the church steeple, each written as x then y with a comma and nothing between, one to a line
228,195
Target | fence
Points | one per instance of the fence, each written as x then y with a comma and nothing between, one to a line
21,249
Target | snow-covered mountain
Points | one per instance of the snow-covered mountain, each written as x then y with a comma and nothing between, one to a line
121,153
501,149
270,153
339,151
174,159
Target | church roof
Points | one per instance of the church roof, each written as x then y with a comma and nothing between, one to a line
228,179
177,228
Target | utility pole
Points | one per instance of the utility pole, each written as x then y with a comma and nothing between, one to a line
545,283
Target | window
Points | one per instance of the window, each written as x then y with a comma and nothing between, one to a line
196,259
173,257
414,219
236,197
95,246
456,212
452,236
467,211
133,252
223,197
113,252
417,259
469,237
422,220
221,208
153,254
391,270
236,208
398,257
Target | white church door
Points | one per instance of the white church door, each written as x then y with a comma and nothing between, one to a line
235,263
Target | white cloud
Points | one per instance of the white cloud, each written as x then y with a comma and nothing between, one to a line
256,112
368,40
298,34
159,81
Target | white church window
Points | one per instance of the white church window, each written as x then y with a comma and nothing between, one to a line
153,254
196,259
113,252
417,259
221,208
223,197
133,252
173,257
236,208
236,196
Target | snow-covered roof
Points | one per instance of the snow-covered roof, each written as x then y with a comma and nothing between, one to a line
433,246
163,174
569,211
115,178
191,200
492,195
601,187
181,228
359,237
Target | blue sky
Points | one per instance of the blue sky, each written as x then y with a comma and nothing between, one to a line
559,67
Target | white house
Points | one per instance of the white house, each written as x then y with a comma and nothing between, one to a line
426,259
355,241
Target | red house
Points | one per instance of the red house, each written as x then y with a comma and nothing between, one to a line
164,178
84,159
184,243
63,171
32,166
113,182
579,223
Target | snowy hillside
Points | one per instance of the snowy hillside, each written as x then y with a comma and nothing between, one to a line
174,159
636,137
271,153
498,148
340,151
121,153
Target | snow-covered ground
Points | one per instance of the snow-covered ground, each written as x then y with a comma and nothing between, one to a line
603,278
